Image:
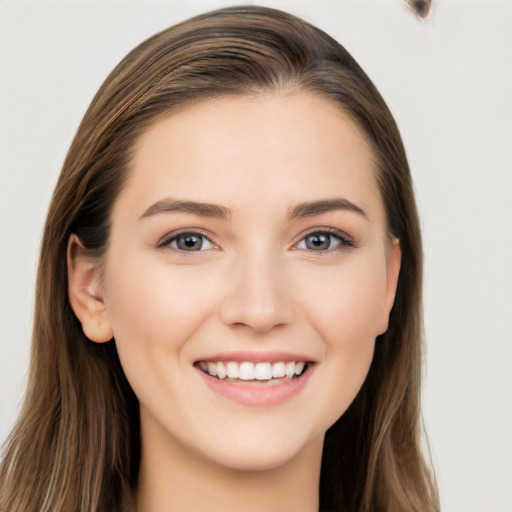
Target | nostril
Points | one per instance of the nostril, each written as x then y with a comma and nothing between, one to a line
242,313
258,295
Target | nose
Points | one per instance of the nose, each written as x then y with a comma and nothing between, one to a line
258,294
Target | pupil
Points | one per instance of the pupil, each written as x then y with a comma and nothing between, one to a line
189,242
318,242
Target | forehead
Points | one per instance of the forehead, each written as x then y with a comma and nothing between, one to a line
273,147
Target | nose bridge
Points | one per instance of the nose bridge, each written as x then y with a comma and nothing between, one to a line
258,294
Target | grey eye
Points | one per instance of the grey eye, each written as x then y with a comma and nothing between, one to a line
191,242
323,241
318,241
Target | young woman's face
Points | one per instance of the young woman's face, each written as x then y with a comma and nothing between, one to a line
250,236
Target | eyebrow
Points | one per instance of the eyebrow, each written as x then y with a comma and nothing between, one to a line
306,209
312,208
179,206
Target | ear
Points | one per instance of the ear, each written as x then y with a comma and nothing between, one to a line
86,292
394,260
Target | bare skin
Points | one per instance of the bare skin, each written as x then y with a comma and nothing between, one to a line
292,262
196,484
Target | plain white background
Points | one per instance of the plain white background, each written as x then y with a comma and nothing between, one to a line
448,82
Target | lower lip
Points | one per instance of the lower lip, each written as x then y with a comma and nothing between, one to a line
257,394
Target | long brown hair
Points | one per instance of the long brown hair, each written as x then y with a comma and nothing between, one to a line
76,445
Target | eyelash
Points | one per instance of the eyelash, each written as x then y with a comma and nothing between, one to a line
344,240
172,237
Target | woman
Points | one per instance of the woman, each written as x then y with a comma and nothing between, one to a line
228,310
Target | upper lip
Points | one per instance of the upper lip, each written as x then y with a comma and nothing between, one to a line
256,357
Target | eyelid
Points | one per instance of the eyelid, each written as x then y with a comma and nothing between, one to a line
169,237
346,241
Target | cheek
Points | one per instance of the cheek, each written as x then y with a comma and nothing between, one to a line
154,299
347,320
153,310
348,313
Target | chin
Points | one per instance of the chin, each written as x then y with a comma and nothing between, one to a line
268,454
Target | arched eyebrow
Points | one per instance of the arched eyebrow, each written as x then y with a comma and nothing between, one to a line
183,206
311,208
306,209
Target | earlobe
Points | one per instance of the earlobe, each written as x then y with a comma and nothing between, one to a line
86,292
394,261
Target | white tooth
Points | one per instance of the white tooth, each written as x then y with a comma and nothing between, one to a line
290,369
212,369
246,371
278,370
203,366
263,371
221,370
299,368
232,370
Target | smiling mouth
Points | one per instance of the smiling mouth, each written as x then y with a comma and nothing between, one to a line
254,373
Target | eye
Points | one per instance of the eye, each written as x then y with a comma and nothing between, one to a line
325,240
188,242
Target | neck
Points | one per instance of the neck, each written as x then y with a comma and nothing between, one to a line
175,479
